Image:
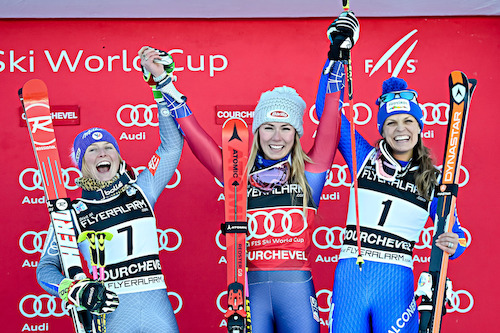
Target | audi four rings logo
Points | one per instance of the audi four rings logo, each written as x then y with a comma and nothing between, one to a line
337,176
331,238
269,224
36,239
164,239
30,179
32,306
44,305
425,241
362,113
176,182
461,301
434,113
140,115
324,237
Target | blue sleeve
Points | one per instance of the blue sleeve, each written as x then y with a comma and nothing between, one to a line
330,82
457,229
363,148
167,157
49,269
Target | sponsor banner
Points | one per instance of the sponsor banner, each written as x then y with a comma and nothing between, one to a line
61,115
224,112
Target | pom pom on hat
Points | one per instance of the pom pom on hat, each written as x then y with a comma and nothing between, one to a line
397,105
282,104
88,137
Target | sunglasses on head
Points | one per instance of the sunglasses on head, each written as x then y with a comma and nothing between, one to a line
406,94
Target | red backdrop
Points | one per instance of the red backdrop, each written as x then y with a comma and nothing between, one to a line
91,64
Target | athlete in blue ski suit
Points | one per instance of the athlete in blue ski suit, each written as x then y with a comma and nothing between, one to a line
392,213
124,207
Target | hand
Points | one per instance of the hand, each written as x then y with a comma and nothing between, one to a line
89,295
156,64
343,34
448,242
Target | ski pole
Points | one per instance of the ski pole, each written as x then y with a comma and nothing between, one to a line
348,65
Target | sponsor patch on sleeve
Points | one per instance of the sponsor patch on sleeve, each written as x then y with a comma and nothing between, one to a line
153,163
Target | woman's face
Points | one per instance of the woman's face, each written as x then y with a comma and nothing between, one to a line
401,133
276,139
101,161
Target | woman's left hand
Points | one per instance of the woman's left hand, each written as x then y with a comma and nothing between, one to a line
148,55
448,242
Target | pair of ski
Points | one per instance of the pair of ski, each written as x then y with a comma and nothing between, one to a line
432,306
35,102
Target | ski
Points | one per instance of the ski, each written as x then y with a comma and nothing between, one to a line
432,306
235,157
35,102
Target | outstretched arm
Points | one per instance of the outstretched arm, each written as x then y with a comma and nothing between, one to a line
174,103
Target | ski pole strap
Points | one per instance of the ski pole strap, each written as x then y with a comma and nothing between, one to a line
234,227
446,189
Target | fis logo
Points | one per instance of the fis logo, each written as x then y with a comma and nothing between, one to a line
387,61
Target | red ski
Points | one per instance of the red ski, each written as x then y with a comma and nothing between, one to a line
235,157
34,98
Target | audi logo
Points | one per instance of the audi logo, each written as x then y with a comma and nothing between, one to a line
36,242
176,182
140,115
425,241
362,113
43,306
324,237
34,178
461,301
331,238
338,178
164,239
438,113
269,224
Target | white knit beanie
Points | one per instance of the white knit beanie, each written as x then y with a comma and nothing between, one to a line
282,105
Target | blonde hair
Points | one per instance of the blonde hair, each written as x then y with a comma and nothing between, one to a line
298,166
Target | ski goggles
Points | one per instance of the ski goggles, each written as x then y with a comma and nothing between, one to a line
405,94
269,178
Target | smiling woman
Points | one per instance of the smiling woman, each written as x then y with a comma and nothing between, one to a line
117,203
396,198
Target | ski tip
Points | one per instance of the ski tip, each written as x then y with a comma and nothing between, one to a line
235,119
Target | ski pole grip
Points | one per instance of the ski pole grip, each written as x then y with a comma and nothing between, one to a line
234,227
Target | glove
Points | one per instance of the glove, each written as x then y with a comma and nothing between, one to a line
163,83
343,34
88,294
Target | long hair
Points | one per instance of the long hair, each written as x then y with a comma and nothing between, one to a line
426,175
298,167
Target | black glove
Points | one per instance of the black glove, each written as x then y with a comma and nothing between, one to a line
88,294
343,34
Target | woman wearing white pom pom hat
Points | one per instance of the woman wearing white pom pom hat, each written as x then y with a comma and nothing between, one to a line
284,190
